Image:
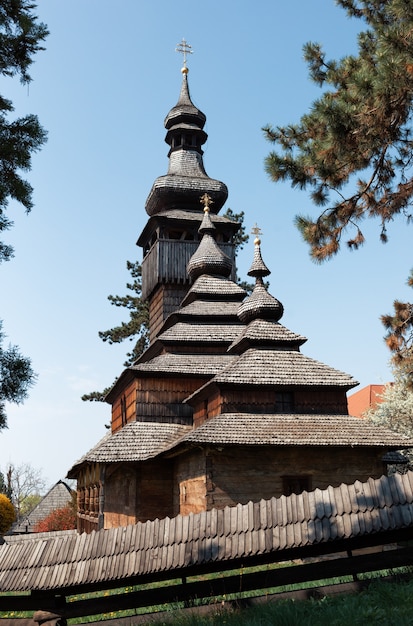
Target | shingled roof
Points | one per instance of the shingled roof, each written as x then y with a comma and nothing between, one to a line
185,364
56,498
137,441
186,179
183,332
253,429
269,527
264,366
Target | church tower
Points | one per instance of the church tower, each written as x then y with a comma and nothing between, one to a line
175,210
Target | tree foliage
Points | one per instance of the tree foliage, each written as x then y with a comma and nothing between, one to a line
16,377
24,482
7,514
21,36
136,329
354,150
395,409
60,519
64,518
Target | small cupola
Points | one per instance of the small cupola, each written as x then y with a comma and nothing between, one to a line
260,304
209,257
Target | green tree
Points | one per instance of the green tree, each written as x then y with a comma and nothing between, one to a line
16,377
353,150
136,329
20,38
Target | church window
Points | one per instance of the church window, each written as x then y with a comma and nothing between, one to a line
284,402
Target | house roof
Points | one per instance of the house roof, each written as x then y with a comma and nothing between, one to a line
328,517
266,333
217,287
196,333
254,429
137,441
282,367
56,498
185,364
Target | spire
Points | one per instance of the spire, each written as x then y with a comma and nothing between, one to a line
260,304
208,258
186,179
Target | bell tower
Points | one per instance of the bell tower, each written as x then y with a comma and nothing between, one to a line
175,210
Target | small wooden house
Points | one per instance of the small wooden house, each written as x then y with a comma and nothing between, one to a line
223,407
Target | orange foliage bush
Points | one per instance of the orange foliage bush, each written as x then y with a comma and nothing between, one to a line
60,519
7,514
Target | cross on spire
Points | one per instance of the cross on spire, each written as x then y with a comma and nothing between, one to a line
184,48
206,200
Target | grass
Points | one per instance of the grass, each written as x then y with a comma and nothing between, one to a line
382,603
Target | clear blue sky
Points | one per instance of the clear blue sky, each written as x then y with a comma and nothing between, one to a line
102,88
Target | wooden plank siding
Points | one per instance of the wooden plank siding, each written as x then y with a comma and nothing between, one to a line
161,398
165,300
167,260
124,407
146,398
232,400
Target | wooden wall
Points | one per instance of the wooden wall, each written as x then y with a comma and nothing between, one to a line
162,398
224,477
191,480
124,407
248,400
138,492
164,301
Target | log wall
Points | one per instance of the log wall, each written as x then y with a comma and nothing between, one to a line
227,476
136,493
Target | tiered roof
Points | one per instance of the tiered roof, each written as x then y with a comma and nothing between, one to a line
222,338
186,179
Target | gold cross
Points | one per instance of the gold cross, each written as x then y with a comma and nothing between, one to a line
206,200
256,230
184,48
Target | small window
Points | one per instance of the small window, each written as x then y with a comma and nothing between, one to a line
296,484
284,402
123,409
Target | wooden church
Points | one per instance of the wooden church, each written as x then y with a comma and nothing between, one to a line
223,407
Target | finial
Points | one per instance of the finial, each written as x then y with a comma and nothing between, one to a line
206,200
184,48
257,232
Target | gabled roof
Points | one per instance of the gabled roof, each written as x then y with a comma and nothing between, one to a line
252,429
56,498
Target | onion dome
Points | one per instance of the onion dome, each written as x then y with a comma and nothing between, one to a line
208,258
186,179
260,304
